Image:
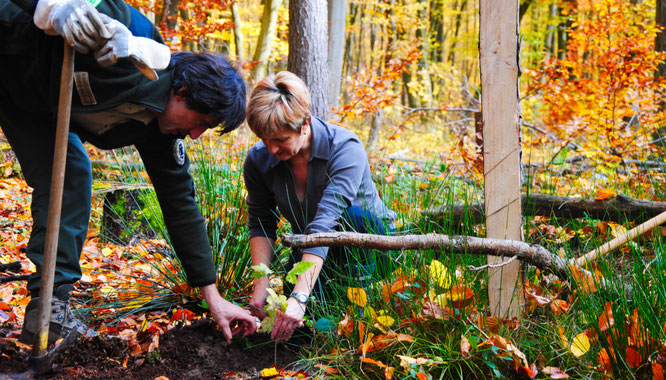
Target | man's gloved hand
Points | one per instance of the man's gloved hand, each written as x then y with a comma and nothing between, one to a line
77,21
146,54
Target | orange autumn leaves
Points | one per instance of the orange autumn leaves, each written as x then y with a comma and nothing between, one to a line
413,301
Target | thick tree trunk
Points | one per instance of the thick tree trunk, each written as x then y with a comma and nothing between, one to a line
266,37
308,49
618,209
337,13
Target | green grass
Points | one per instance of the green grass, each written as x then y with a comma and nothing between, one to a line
436,339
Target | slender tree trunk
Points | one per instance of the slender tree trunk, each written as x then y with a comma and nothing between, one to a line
375,128
550,37
308,49
238,32
266,37
337,13
456,31
660,40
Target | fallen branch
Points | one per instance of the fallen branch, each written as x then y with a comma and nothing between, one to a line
533,254
617,209
620,240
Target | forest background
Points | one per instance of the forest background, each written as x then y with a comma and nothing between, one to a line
404,75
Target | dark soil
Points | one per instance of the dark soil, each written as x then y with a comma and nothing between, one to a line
197,351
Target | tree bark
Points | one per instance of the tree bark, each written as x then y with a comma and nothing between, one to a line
375,127
238,32
266,36
533,254
618,209
308,49
337,13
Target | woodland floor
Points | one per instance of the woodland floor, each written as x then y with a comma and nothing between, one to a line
197,351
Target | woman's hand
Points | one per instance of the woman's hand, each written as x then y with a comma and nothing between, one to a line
259,296
287,322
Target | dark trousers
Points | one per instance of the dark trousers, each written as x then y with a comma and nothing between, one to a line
346,266
32,137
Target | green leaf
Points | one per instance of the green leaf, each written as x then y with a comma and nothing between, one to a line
261,270
298,269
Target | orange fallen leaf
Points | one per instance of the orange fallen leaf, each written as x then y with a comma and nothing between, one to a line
559,307
606,318
604,194
375,362
657,371
633,358
460,296
328,369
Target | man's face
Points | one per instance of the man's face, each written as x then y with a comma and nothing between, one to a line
178,120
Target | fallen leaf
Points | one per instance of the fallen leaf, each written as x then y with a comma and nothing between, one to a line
328,369
269,372
440,274
385,320
657,371
580,345
606,319
604,194
357,296
559,307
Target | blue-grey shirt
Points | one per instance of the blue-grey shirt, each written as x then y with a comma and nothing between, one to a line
338,177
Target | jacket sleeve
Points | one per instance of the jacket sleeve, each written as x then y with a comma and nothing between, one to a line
175,191
345,173
262,212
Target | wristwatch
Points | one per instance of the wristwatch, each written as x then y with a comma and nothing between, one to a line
300,297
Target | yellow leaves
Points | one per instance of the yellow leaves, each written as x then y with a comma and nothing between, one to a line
357,296
439,274
580,345
269,372
385,320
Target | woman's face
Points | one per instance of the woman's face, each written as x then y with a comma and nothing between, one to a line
286,144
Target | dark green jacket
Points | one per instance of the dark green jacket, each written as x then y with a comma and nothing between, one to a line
37,86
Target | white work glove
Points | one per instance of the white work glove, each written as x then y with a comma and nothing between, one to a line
145,53
77,21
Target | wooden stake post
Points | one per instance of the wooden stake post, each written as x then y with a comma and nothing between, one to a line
498,45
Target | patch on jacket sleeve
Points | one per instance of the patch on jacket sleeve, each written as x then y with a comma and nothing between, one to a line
178,150
82,82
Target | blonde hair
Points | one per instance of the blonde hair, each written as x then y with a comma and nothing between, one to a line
278,102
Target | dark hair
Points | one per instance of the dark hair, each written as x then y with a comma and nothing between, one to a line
211,86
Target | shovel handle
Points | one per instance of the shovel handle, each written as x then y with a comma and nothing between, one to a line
55,203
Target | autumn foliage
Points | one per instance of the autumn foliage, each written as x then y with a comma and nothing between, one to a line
602,96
